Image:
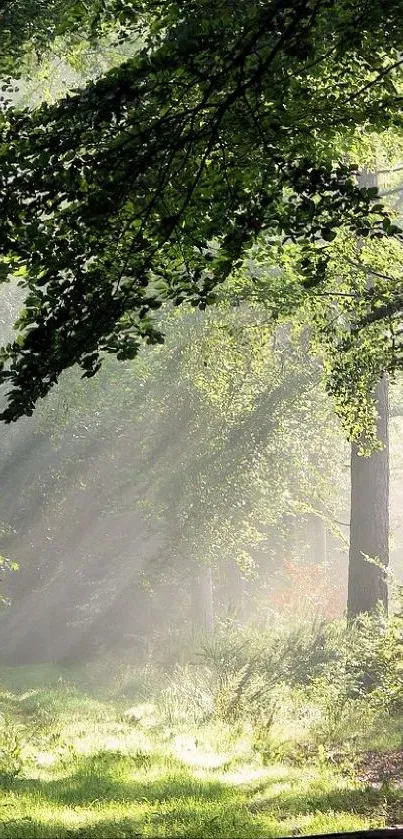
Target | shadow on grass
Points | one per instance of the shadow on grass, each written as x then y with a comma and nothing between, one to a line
362,802
191,807
188,808
112,777
184,822
175,804
27,828
95,781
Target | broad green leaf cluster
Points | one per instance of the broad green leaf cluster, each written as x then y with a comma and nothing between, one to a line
155,179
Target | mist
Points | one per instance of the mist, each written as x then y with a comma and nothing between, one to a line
174,492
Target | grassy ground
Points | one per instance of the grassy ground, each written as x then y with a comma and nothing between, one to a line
73,764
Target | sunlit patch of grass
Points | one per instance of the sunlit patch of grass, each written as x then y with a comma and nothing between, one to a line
91,771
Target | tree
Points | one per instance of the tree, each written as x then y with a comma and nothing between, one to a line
369,511
153,181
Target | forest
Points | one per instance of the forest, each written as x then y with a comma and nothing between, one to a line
201,410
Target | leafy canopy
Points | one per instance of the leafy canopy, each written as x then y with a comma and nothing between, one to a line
151,183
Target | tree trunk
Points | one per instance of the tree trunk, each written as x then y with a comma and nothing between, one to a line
369,520
202,601
369,514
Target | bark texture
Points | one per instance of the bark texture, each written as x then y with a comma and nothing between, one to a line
369,522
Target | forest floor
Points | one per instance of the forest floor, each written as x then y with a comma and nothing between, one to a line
75,764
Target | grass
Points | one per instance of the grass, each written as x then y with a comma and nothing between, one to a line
74,763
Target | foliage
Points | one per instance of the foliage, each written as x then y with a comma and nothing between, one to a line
306,691
154,180
214,448
30,28
259,395
249,665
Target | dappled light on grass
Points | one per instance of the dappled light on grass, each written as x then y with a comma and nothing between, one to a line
251,775
264,735
187,750
90,771
45,759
